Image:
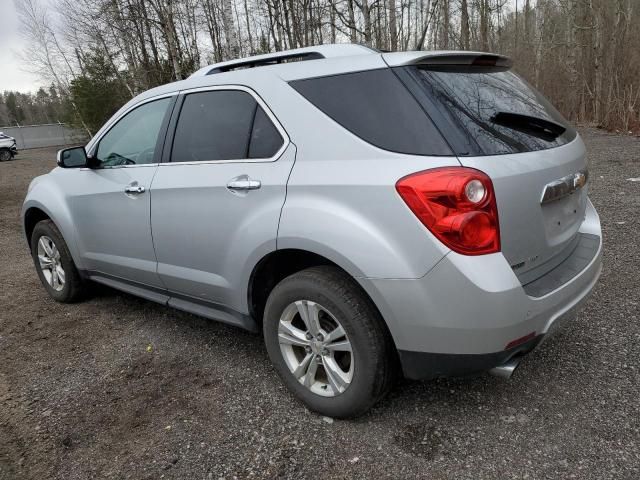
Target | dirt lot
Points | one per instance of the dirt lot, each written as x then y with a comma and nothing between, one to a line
118,387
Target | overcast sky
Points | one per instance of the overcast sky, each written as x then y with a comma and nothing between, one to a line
12,74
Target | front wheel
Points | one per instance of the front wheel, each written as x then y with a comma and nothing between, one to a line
54,263
5,155
328,343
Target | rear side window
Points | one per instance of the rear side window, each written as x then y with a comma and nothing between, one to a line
377,107
265,139
223,125
488,110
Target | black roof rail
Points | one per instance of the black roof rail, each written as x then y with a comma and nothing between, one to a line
273,60
295,55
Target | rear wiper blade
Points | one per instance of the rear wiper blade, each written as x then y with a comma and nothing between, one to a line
539,127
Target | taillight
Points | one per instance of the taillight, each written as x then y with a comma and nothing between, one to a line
457,205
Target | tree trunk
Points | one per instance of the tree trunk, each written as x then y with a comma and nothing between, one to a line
229,29
445,25
484,25
366,13
393,26
464,25
353,34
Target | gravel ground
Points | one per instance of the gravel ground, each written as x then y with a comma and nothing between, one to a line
118,387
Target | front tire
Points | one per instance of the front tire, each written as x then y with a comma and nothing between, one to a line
328,342
5,155
54,264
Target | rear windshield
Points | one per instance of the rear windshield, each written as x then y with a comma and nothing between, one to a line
487,110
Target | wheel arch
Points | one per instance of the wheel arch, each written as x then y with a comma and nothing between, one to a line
279,264
32,216
34,211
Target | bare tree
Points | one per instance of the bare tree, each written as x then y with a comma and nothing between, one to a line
584,54
44,52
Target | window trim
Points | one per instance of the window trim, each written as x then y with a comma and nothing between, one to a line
166,157
94,143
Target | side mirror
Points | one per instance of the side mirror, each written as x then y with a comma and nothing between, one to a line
74,157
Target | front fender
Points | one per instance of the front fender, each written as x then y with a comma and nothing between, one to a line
46,196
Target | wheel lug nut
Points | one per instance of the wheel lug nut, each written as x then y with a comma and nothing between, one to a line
320,337
307,349
309,336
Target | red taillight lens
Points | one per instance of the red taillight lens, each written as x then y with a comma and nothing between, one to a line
457,205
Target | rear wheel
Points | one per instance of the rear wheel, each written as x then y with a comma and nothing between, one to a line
54,263
328,342
5,155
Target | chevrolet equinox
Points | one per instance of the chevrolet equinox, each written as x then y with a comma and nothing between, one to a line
369,212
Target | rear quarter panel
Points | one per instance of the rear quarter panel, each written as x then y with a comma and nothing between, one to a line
341,198
350,212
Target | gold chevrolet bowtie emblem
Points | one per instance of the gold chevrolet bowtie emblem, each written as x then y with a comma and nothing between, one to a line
564,186
580,180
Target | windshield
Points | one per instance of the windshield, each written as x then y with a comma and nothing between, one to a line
490,111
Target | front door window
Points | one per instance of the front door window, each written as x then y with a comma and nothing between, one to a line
133,139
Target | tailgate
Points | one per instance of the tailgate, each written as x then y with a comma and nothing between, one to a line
499,124
533,233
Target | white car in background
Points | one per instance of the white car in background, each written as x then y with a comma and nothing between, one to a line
8,148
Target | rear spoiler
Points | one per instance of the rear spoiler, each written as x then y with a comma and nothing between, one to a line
447,58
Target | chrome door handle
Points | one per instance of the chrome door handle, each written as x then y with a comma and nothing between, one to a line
243,183
134,189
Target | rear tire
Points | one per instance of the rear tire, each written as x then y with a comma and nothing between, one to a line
354,369
54,264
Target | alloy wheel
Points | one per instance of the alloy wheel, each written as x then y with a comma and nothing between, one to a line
51,263
316,348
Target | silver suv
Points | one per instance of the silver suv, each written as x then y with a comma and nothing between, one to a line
371,213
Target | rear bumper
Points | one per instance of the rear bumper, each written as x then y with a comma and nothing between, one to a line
423,365
461,317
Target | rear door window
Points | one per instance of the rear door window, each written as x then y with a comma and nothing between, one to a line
377,107
489,110
223,125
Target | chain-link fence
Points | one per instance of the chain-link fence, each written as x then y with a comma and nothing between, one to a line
48,135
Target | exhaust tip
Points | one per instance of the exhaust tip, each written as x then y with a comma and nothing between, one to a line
506,370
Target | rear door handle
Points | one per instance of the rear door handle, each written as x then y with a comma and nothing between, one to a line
243,183
134,189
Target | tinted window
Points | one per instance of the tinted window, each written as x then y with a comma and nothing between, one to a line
219,125
265,138
492,109
377,107
132,140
